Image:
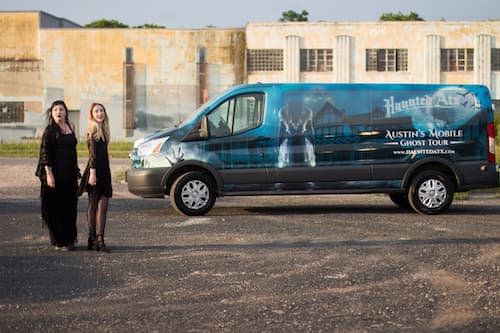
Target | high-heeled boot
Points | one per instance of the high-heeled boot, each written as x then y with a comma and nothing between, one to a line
91,242
100,245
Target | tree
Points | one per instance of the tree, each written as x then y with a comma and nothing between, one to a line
400,17
293,16
103,23
150,26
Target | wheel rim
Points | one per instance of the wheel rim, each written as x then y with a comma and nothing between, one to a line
195,194
432,193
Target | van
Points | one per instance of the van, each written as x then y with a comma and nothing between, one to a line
418,143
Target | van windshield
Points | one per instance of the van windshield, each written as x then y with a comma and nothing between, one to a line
194,115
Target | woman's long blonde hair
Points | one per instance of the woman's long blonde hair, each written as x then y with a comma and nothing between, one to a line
94,128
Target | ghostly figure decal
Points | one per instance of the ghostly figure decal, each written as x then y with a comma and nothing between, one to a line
296,135
176,156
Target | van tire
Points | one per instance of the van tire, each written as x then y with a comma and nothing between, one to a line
193,194
430,192
400,199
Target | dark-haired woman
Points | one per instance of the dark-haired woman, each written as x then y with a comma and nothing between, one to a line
58,172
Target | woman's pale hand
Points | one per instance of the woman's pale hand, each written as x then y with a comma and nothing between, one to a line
51,181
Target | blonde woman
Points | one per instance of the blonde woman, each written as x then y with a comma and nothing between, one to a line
97,176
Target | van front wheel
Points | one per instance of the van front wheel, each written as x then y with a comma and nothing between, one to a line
192,194
430,192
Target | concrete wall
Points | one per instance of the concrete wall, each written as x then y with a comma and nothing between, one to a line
349,40
80,66
86,65
19,35
20,71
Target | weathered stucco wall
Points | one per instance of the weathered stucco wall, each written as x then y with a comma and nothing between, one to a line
20,68
19,35
375,35
86,65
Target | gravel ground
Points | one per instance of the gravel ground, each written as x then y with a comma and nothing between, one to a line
254,264
18,180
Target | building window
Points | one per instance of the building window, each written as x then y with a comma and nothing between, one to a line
457,60
129,55
11,112
316,60
202,57
495,59
265,60
21,65
387,60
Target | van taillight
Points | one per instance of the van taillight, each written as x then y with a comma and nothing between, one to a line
491,143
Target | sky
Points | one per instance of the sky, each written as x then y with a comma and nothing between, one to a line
193,14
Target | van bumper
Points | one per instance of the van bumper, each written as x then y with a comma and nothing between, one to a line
146,183
477,175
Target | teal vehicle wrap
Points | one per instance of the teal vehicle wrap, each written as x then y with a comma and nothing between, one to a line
324,138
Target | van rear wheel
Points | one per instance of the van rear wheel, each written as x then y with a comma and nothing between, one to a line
430,192
192,194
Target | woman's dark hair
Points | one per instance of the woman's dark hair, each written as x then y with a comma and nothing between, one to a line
49,111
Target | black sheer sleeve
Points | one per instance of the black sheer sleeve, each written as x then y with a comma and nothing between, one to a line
46,152
91,143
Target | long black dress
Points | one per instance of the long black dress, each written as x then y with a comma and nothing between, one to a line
98,160
59,204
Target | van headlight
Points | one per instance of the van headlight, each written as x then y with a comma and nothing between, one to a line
150,147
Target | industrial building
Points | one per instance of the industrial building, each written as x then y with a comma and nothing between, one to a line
149,79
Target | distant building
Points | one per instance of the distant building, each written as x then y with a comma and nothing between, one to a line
154,78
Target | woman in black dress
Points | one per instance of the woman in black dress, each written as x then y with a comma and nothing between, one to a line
58,172
97,176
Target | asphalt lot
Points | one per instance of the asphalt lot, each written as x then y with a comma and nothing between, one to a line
267,264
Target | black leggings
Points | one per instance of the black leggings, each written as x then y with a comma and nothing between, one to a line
96,215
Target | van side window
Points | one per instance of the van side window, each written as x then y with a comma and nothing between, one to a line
236,115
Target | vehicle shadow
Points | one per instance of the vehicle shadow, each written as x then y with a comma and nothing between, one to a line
162,207
307,244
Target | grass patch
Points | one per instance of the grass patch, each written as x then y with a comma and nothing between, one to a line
118,149
461,196
27,149
120,175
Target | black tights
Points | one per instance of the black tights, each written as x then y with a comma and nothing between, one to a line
96,215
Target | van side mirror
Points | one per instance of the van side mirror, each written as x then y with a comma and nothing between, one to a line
198,132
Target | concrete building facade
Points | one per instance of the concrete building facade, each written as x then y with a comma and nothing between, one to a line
154,78
148,79
422,46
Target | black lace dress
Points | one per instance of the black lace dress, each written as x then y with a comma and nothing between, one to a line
59,204
98,160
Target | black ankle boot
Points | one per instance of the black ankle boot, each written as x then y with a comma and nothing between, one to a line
91,243
100,246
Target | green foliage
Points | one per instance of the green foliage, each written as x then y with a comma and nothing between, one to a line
293,16
497,125
150,26
103,23
400,17
27,149
119,149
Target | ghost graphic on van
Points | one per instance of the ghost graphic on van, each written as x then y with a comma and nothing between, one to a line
296,135
445,108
